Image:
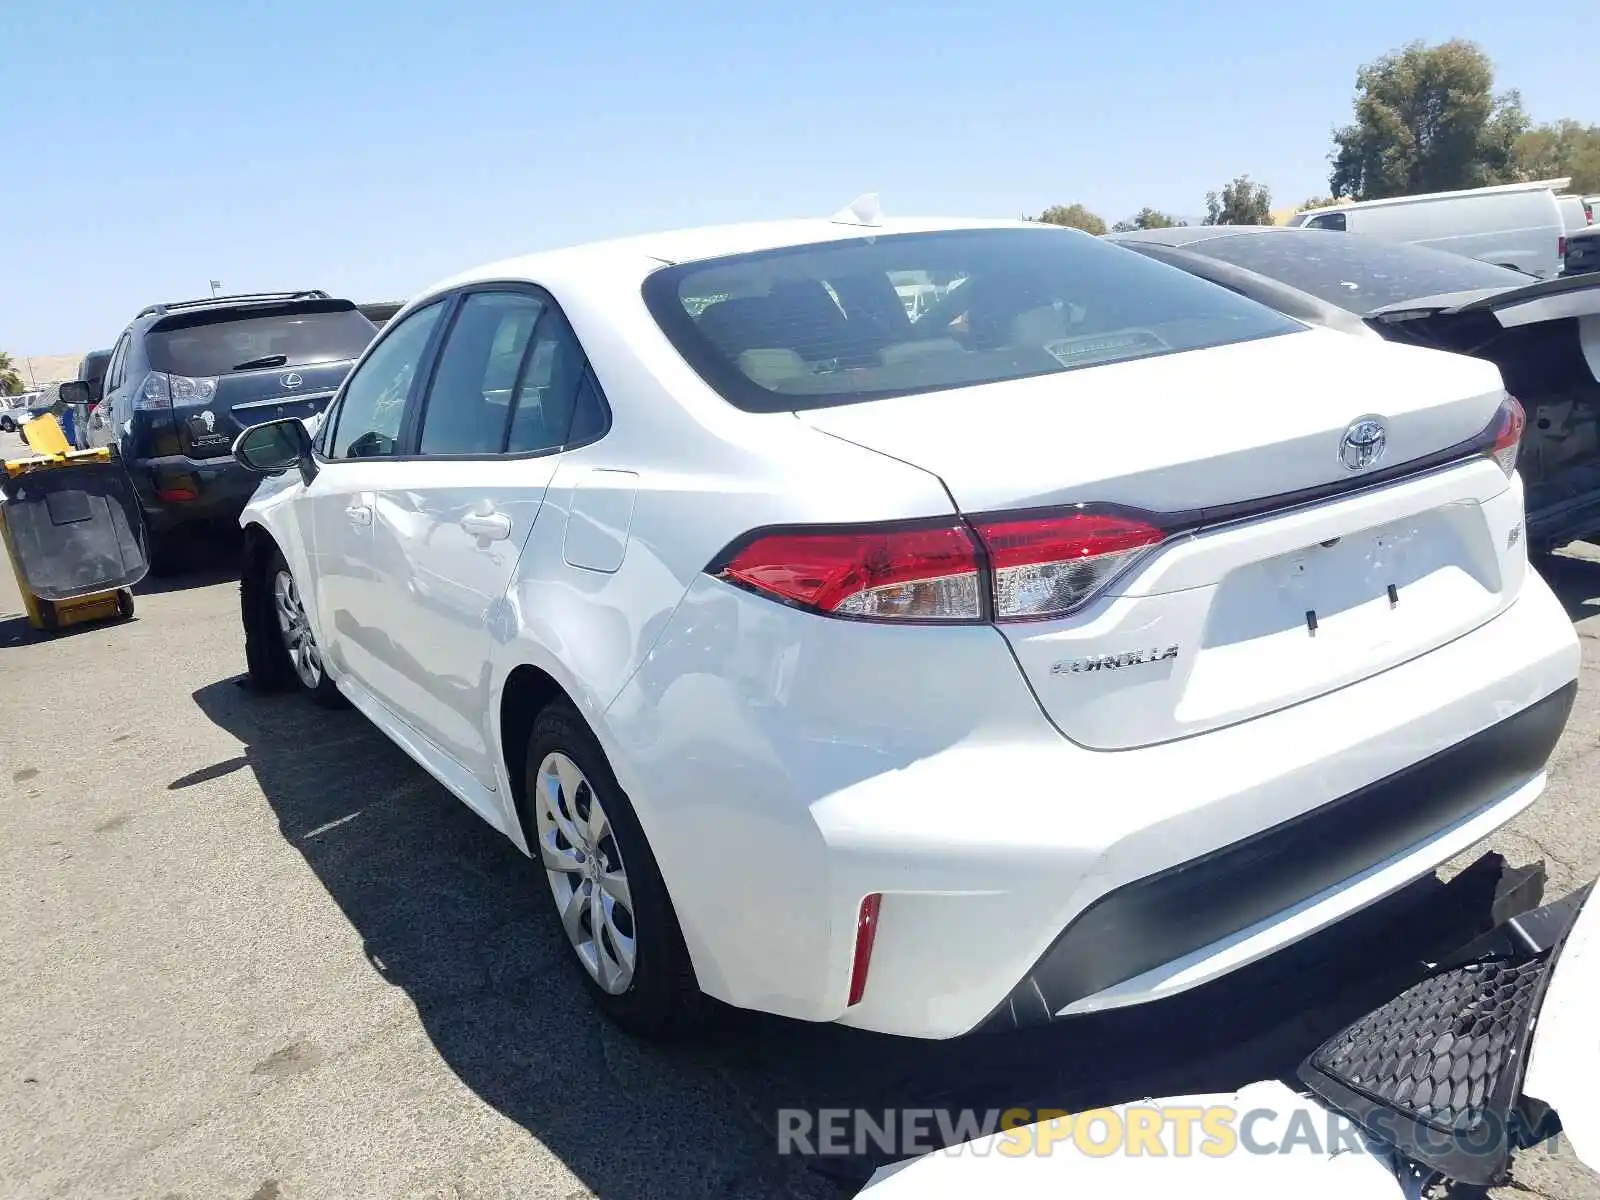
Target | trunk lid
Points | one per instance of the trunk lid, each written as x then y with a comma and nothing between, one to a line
246,398
1239,447
1540,300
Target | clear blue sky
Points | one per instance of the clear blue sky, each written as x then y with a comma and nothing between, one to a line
370,148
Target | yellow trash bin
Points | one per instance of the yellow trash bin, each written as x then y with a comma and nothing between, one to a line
72,529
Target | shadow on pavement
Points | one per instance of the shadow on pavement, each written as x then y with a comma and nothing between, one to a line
206,559
458,917
1575,581
15,631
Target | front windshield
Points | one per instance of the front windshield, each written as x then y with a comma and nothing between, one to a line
1357,273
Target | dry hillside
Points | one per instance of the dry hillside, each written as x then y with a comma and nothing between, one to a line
39,369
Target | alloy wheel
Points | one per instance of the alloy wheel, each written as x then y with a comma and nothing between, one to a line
297,639
583,863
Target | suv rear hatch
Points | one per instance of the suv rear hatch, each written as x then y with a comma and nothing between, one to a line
221,370
1255,560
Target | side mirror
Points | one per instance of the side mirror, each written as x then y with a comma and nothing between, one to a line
274,447
76,391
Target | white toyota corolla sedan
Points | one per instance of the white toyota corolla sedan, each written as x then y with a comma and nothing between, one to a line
1070,638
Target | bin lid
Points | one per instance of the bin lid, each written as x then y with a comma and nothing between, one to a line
73,526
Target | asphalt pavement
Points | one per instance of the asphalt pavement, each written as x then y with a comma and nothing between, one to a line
249,951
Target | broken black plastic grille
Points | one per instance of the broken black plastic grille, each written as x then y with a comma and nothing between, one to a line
1436,1051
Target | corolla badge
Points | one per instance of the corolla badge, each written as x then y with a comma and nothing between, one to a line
1363,444
291,380
1113,662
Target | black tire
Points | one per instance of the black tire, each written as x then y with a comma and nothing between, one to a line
267,659
125,604
663,1002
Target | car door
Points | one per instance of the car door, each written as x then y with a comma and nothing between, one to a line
453,518
335,514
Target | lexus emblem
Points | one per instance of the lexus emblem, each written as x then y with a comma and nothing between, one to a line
291,380
1363,444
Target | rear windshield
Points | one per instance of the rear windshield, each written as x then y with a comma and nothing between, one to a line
1354,272
207,344
837,322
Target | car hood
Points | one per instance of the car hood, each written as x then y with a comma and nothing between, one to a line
1266,1140
1539,300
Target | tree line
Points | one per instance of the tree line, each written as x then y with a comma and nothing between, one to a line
1426,119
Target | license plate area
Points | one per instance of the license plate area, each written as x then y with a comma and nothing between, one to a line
258,412
1336,611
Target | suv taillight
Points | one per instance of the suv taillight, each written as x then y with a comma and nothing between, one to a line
1508,423
160,390
1561,246
1010,567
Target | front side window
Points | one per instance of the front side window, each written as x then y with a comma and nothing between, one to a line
469,402
117,368
374,402
1328,221
838,322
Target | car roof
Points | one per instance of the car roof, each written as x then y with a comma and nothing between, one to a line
644,252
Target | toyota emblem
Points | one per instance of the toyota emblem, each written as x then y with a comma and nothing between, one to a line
291,380
1363,444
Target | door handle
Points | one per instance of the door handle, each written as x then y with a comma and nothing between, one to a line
493,526
359,514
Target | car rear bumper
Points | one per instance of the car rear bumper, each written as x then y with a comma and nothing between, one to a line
1145,925
217,490
785,766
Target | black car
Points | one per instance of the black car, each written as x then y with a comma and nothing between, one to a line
1582,253
185,378
1544,335
92,370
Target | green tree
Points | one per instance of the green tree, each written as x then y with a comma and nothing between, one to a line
1239,203
1074,216
1315,202
1147,218
10,380
1427,119
1560,149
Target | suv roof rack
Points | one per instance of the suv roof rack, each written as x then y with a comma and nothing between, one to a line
157,310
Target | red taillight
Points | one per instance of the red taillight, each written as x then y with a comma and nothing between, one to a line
925,571
1048,565
1561,246
866,934
177,495
1018,566
1508,435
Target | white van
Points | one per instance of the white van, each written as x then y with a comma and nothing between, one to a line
1516,225
1574,213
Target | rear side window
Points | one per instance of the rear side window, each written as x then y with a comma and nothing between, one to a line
469,403
817,325
209,343
555,384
